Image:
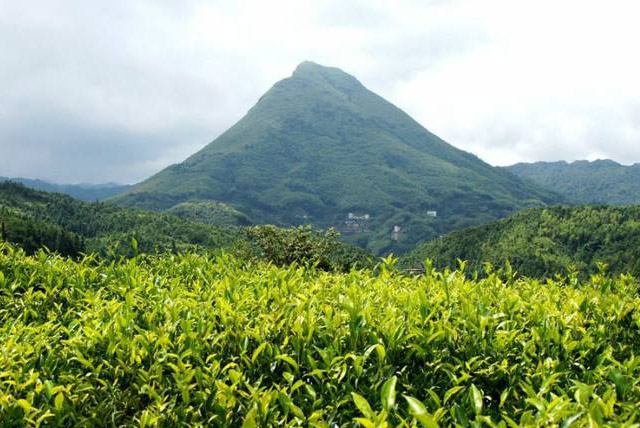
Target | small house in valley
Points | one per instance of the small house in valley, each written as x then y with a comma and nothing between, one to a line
396,233
356,223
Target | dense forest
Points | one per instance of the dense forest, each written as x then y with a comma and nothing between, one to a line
543,242
209,212
584,182
536,242
34,219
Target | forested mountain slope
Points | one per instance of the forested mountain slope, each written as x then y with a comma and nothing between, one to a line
209,212
318,146
34,220
543,242
597,182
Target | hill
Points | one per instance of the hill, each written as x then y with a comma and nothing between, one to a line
209,212
543,242
318,146
597,182
34,219
84,192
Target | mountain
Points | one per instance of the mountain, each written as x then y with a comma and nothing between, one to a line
597,182
319,146
84,192
543,242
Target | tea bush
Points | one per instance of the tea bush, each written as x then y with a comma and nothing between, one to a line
197,340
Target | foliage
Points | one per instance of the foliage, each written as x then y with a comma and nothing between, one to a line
543,242
318,146
105,228
597,182
303,245
193,340
32,235
35,220
209,212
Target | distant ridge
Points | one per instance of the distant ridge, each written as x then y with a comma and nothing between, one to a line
83,191
597,182
318,146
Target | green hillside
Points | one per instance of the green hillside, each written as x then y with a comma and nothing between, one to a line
209,212
99,225
597,182
543,242
33,220
318,146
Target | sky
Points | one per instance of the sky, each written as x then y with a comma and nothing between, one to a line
115,91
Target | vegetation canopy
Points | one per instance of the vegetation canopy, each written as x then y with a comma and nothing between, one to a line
70,227
196,340
543,242
584,182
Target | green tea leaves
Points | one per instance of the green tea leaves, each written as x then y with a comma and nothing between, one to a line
388,393
476,399
363,405
190,340
58,401
419,411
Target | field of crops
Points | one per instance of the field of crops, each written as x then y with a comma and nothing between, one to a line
193,340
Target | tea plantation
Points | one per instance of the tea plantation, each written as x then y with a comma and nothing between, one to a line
188,340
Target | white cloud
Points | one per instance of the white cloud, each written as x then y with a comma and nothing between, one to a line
153,81
555,81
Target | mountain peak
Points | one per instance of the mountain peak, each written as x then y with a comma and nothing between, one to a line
310,67
317,146
605,162
311,71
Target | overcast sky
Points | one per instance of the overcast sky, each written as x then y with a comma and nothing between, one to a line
115,91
